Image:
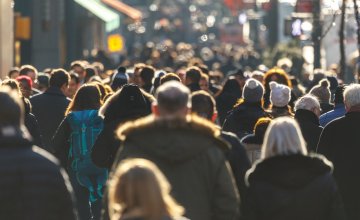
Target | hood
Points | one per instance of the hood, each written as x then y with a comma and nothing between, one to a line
290,172
172,140
14,137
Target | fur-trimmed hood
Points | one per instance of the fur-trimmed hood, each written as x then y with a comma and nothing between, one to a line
289,171
174,139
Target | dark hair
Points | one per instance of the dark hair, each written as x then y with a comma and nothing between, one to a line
169,77
203,104
74,76
77,63
147,74
59,77
86,98
11,108
232,86
13,70
43,80
24,70
90,72
102,89
194,74
339,94
129,102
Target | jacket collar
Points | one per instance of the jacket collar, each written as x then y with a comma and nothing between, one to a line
306,115
54,91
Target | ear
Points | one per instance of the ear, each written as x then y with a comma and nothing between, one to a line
214,117
155,109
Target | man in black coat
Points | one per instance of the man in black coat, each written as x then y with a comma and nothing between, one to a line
49,108
340,143
307,112
204,106
32,183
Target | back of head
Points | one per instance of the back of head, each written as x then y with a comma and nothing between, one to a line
58,78
88,97
193,75
203,104
127,103
169,77
11,109
147,74
13,84
26,69
119,79
173,97
280,95
339,94
352,96
322,91
260,127
283,137
138,184
307,102
253,91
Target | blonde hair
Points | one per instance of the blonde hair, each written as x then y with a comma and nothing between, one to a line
139,185
283,137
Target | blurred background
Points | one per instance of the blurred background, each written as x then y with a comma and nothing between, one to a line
49,33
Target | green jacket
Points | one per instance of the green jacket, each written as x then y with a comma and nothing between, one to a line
189,153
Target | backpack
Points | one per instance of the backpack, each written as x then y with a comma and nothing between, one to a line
85,127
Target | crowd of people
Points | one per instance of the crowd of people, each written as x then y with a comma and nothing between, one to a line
177,143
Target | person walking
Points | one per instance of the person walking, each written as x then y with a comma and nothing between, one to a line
287,183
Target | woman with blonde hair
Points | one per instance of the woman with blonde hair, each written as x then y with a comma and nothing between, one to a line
139,191
287,183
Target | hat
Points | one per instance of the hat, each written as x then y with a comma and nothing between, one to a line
280,95
253,91
322,91
120,79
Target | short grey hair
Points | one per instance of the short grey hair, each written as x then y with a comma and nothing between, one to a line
283,137
173,96
307,102
352,95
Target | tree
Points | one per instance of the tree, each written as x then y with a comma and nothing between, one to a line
342,41
357,17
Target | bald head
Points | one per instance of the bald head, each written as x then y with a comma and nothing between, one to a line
173,98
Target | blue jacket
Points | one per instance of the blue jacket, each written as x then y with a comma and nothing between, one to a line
327,117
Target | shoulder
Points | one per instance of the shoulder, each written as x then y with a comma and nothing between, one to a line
191,123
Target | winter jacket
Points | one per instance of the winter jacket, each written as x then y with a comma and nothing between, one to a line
33,186
242,119
106,145
33,127
295,187
224,103
310,128
276,112
49,109
190,154
340,142
327,117
239,162
252,144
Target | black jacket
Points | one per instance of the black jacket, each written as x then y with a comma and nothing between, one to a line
340,143
106,145
49,109
33,186
224,103
242,119
33,127
295,187
190,155
310,127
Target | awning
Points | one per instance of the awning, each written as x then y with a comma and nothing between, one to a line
111,19
133,13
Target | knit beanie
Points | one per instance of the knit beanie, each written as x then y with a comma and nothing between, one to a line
280,95
322,91
253,91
